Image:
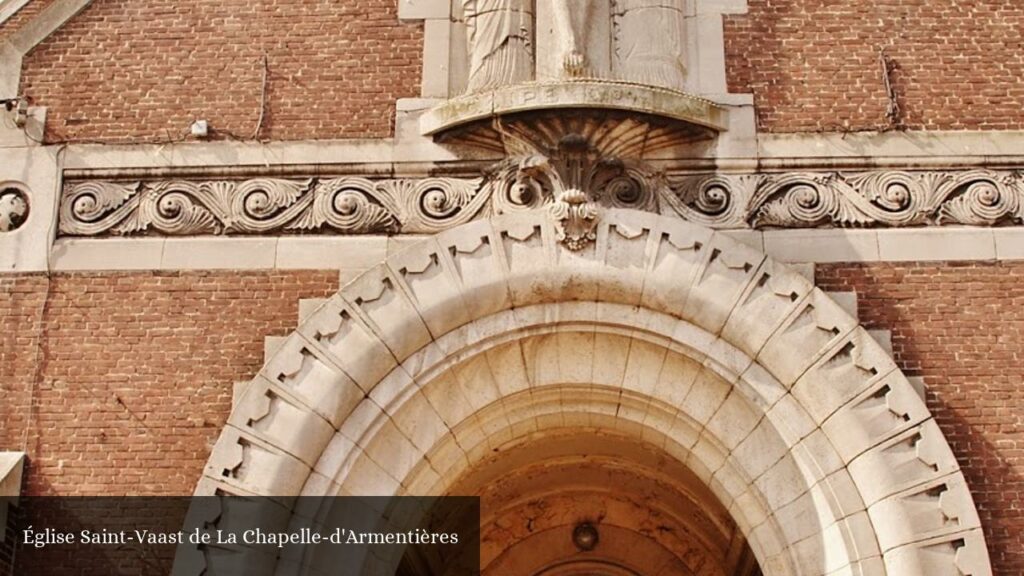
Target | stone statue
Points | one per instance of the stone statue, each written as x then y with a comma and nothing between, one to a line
571,27
648,43
500,34
650,38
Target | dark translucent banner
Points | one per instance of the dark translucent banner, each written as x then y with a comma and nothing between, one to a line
251,536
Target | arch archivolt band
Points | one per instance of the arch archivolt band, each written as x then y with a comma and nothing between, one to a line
662,332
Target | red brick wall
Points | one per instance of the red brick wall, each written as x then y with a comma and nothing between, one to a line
814,64
961,327
130,71
170,346
21,306
135,371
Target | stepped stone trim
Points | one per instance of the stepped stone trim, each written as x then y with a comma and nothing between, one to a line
823,420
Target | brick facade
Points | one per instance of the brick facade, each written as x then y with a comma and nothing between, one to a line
961,327
133,376
121,355
140,71
144,71
119,383
813,65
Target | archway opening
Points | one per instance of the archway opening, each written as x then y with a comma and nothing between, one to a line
493,338
579,500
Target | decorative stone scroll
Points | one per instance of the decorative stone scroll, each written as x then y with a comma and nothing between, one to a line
572,178
883,198
347,205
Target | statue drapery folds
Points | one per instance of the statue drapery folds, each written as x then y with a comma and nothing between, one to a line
500,42
647,42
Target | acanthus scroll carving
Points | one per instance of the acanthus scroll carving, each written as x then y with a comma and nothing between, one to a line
347,205
884,198
571,180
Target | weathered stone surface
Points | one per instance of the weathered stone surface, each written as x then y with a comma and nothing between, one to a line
804,442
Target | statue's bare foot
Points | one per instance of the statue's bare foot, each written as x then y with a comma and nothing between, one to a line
575,63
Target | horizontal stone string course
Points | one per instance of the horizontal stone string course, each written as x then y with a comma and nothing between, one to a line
361,205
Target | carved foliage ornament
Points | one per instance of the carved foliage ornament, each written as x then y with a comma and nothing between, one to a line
348,205
849,200
572,183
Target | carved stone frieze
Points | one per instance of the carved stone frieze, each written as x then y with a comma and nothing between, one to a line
347,205
572,181
881,198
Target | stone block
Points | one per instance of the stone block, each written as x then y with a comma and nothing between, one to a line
271,413
760,450
952,555
71,254
302,370
705,397
477,261
624,244
420,422
242,460
432,287
332,460
33,173
343,336
1009,243
733,421
912,245
888,407
831,245
726,271
351,255
307,306
853,365
423,9
934,509
675,260
367,478
808,333
767,301
387,310
393,452
909,459
219,253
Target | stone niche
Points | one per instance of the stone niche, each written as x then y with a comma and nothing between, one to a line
653,69
673,44
642,56
577,98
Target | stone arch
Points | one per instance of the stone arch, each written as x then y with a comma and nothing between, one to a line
660,332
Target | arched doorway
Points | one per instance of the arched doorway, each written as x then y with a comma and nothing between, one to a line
662,358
